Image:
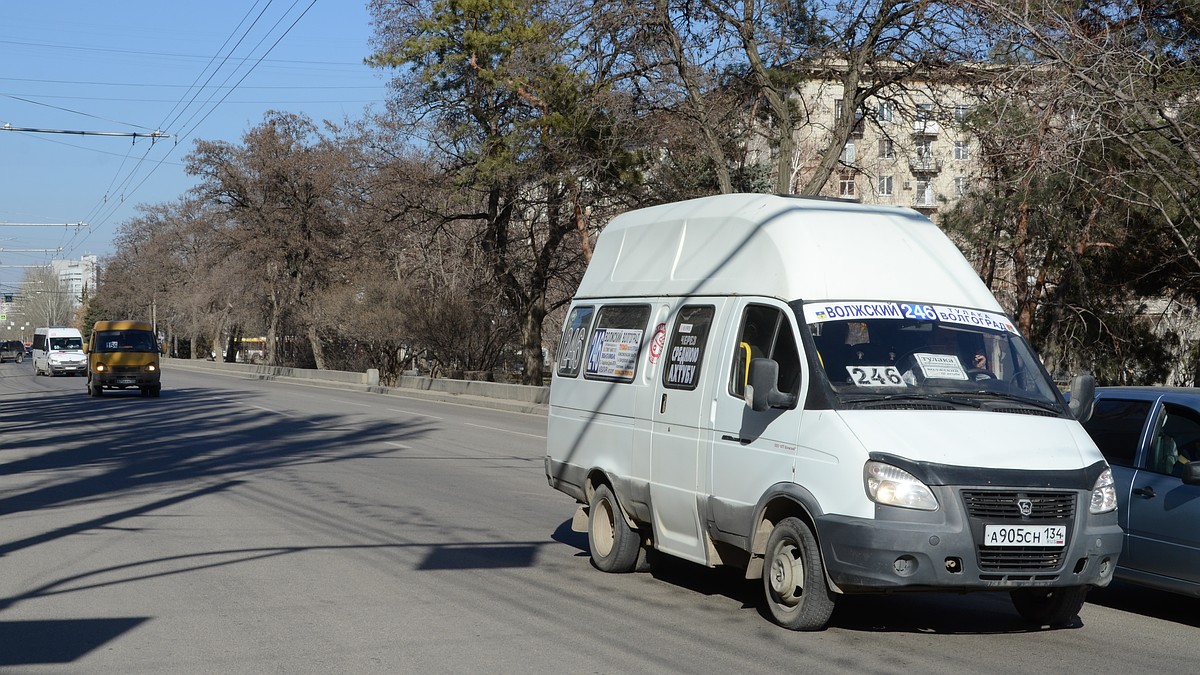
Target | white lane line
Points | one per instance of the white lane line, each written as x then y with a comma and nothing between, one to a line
399,445
249,405
342,400
519,433
410,412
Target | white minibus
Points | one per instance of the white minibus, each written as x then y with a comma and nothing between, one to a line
826,395
58,350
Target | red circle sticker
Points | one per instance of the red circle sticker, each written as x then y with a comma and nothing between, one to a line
658,342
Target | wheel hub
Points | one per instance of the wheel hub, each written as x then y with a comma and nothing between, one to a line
787,575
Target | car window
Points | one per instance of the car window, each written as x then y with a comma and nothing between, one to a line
765,332
1116,427
1176,440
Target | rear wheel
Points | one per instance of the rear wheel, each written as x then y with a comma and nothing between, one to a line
1049,606
794,578
614,545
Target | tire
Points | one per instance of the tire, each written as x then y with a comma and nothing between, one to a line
1049,606
156,390
794,578
613,544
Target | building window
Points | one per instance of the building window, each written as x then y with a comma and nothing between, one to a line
924,196
961,112
962,150
838,104
887,110
846,184
848,153
924,112
962,186
887,148
924,148
885,186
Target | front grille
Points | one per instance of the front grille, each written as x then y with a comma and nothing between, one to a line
1019,559
986,507
1005,505
126,370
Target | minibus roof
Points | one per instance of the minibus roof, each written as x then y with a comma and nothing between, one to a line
785,247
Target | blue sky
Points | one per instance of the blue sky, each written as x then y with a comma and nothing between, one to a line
139,66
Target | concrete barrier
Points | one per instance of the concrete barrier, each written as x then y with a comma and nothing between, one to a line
498,395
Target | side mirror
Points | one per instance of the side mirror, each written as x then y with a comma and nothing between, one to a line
1083,396
1190,473
762,391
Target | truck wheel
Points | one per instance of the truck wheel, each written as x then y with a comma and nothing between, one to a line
794,578
614,545
1049,606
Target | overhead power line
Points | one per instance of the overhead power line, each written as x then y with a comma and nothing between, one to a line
126,134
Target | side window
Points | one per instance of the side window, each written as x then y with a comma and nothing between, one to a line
685,353
616,342
574,337
1176,440
1116,427
765,332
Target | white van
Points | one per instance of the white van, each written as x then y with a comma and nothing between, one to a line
58,350
826,395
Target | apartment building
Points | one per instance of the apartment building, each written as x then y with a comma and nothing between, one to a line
76,276
911,147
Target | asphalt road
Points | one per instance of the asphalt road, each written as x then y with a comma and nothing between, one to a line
241,526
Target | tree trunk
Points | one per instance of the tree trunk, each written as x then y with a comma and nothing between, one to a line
531,342
318,351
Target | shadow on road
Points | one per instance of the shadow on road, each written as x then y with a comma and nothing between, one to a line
25,643
65,448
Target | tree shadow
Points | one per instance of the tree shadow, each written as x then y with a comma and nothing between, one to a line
187,440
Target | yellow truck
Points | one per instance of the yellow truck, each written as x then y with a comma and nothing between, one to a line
123,354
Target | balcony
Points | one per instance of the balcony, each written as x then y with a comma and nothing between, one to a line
926,128
924,164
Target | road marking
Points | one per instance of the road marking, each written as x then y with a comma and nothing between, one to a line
342,400
520,433
399,445
409,412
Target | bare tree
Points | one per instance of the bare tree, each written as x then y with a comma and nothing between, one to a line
46,300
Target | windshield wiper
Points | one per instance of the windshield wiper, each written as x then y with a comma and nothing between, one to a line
1052,407
940,398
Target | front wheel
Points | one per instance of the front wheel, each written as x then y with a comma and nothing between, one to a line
794,578
1049,606
614,545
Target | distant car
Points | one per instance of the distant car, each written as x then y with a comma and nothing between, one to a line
1151,438
12,350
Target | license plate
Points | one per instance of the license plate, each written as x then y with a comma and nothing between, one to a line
1024,535
126,380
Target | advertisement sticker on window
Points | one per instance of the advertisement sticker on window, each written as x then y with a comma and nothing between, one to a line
613,353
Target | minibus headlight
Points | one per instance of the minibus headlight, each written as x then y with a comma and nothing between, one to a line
1104,494
100,367
893,486
151,368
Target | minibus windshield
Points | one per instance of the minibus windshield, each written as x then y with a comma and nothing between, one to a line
874,350
66,344
125,341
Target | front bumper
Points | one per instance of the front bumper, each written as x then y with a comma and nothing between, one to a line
126,379
903,549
